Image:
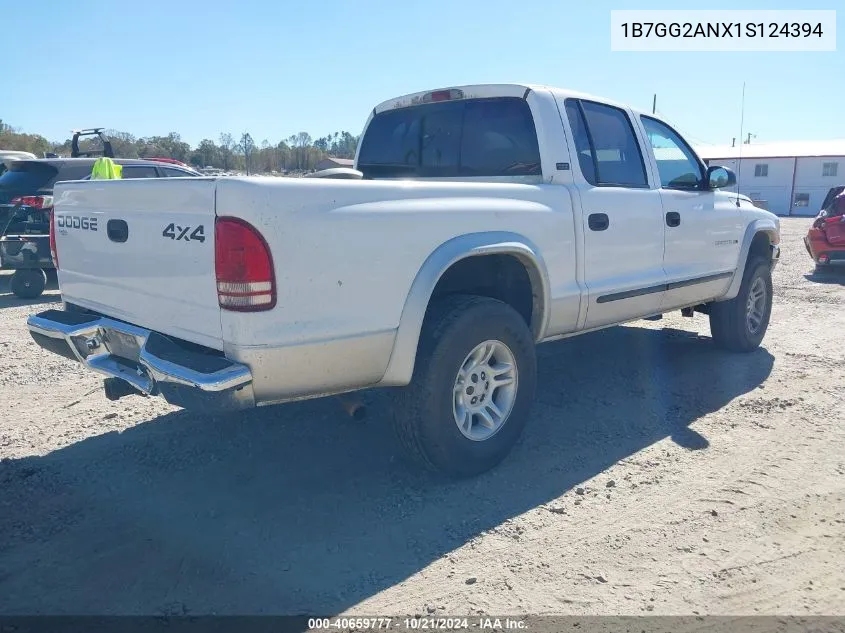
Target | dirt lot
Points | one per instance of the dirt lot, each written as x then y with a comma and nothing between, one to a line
657,476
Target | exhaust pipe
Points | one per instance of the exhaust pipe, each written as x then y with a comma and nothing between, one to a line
353,406
116,388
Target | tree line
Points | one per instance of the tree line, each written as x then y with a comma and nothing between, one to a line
299,152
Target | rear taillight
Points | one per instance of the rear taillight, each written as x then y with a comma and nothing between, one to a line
36,202
53,252
245,278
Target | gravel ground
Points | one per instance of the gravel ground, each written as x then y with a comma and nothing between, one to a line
658,475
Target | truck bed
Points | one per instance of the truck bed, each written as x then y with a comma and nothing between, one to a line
346,255
353,245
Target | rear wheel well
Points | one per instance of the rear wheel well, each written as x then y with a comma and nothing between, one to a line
499,276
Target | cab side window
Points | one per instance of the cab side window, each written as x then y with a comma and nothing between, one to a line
608,152
677,164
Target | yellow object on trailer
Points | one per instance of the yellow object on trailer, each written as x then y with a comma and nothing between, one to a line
106,169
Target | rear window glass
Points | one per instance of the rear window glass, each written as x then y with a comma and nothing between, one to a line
478,137
27,177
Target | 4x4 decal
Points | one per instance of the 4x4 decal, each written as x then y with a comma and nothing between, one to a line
175,232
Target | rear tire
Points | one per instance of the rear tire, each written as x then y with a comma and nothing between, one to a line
28,283
464,409
740,324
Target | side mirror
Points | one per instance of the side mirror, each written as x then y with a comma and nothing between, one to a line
720,177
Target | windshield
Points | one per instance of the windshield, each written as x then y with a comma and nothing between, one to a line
472,138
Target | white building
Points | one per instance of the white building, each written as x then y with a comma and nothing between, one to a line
787,178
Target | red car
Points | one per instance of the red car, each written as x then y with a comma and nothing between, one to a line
825,241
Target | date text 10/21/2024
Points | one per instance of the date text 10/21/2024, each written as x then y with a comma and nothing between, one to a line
417,623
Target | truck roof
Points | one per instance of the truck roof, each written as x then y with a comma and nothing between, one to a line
475,91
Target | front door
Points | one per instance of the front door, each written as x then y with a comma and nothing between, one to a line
622,216
703,227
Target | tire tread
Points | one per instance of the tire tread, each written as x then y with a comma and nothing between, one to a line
727,325
18,286
412,403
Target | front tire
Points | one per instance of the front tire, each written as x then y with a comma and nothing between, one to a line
28,283
740,324
472,389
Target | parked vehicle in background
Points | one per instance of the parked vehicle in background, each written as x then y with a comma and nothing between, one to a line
177,163
11,154
832,193
7,156
26,201
486,219
825,240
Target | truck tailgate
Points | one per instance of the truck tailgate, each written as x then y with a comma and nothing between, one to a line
141,251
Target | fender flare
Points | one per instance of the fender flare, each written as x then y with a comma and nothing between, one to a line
400,367
764,225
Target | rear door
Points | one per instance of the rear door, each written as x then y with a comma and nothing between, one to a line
621,213
141,250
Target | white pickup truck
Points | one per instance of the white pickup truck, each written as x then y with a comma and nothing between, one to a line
479,221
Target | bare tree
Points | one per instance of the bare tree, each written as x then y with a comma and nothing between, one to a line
227,149
247,147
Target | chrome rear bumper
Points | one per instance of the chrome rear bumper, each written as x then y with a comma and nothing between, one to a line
153,364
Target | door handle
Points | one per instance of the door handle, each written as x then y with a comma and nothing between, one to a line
117,230
673,218
598,221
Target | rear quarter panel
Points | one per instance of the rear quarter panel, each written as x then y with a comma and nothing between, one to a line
347,252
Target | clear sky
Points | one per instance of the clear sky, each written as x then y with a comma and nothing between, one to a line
276,68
